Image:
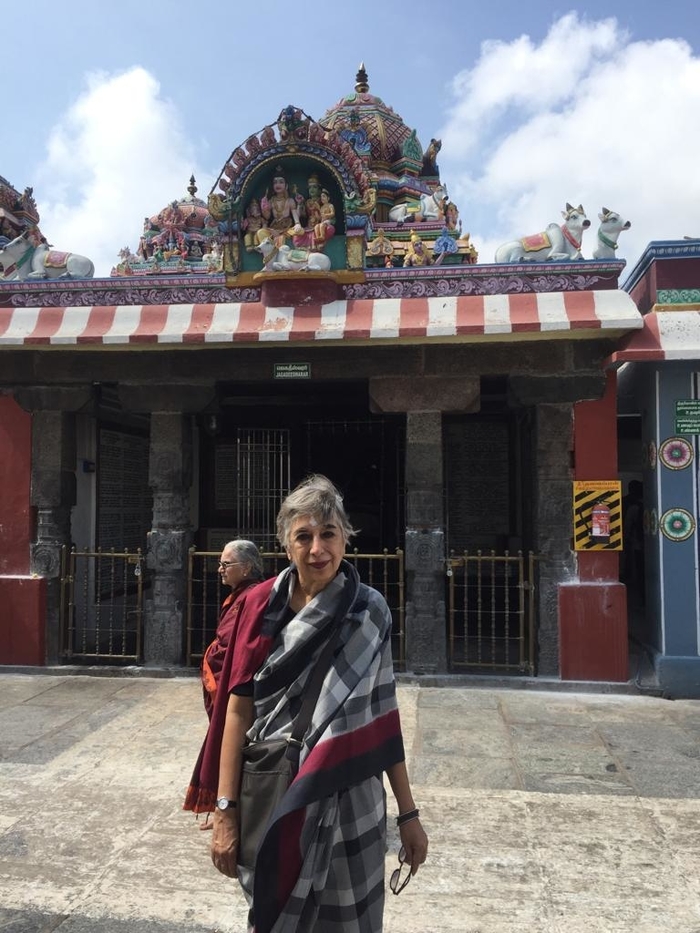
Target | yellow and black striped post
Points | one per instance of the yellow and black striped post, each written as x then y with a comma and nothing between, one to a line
588,493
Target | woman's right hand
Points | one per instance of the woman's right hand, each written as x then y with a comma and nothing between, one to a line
224,842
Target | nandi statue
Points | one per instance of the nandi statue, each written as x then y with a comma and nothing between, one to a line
286,259
558,241
429,207
28,257
611,226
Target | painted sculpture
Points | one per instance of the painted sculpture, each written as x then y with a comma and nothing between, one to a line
430,207
29,256
557,242
611,226
283,258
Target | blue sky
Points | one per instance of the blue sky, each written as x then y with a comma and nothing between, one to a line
108,108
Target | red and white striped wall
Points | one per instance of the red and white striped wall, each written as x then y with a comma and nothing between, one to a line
462,319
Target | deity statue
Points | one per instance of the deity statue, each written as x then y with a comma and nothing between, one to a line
252,225
325,228
280,210
452,216
313,203
416,253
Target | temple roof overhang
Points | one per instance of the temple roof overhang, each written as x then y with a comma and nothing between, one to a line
370,321
664,335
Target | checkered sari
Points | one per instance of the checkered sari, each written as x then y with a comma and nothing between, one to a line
320,868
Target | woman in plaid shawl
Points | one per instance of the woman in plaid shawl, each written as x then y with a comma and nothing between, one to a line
320,866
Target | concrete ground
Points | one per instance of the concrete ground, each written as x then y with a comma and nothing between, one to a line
548,812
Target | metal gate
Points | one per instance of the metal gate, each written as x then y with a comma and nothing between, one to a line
102,605
491,612
384,572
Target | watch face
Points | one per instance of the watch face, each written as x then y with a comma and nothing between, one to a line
223,803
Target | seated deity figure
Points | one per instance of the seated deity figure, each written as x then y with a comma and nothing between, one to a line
325,228
280,210
313,202
416,253
252,225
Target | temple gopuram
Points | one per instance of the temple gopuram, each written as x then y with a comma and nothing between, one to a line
322,309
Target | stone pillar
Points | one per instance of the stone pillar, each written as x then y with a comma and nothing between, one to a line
553,524
425,399
170,478
53,495
426,643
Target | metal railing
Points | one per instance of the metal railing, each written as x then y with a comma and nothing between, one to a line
491,611
101,612
383,571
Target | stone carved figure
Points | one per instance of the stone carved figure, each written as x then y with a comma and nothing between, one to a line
611,226
430,157
28,256
557,242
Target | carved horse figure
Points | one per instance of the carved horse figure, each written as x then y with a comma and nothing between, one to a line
431,207
38,262
556,242
286,259
611,226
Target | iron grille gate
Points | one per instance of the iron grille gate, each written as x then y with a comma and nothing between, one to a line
384,572
101,605
491,612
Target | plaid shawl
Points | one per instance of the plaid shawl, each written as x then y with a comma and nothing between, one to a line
322,859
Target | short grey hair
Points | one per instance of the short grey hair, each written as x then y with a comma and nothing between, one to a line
315,496
247,553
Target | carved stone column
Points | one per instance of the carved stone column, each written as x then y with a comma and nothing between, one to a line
426,646
553,523
53,494
425,399
170,478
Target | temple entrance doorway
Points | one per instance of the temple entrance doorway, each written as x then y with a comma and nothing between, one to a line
266,440
491,568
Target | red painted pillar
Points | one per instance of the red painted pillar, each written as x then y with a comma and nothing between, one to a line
22,596
593,609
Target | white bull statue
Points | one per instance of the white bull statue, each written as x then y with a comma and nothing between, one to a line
21,259
286,259
430,207
611,226
558,241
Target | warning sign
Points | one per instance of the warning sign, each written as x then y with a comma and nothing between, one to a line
598,515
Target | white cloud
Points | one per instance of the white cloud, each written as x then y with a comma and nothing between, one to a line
118,153
586,116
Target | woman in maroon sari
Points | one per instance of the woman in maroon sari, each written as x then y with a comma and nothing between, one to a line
240,566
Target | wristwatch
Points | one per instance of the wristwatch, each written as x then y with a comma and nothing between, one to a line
223,803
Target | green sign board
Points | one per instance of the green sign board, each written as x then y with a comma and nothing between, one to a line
292,371
688,416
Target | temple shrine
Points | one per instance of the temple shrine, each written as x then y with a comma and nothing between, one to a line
322,309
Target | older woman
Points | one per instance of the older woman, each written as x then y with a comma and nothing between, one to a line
240,566
321,865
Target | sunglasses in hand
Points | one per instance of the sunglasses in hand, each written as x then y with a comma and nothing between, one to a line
396,882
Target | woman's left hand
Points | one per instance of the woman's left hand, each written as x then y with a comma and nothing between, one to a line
415,842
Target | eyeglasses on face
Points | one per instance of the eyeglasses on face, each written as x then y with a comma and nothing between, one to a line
396,882
225,564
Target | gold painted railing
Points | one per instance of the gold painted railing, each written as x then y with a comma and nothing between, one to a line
491,611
